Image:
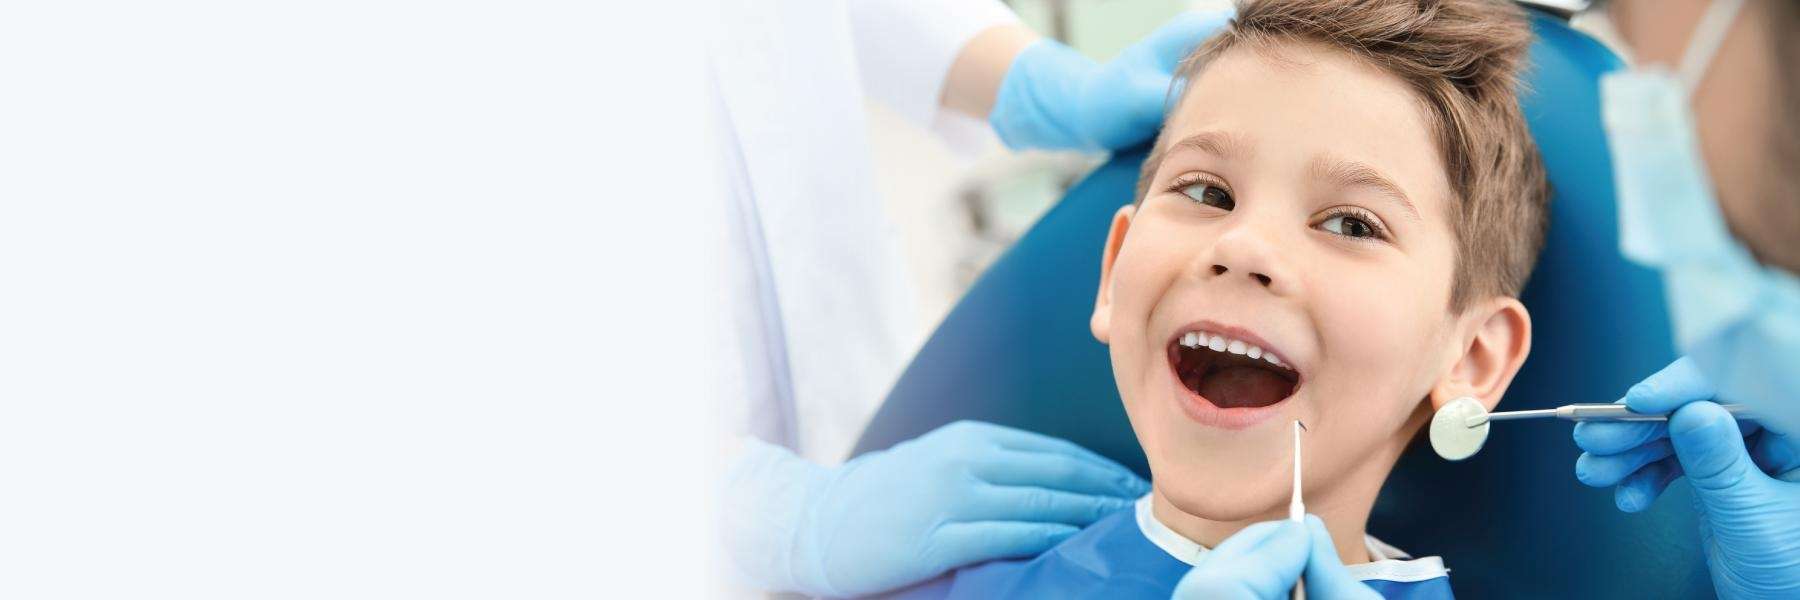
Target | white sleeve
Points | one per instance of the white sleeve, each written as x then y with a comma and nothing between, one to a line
904,48
764,495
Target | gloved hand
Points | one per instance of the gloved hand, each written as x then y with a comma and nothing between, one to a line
1263,561
1749,520
1055,98
965,493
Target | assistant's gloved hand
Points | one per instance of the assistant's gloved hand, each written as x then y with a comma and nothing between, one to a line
965,493
1053,97
1263,561
1746,481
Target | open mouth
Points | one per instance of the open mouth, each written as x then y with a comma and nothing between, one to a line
1231,373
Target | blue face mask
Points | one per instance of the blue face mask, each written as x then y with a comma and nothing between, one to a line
1736,318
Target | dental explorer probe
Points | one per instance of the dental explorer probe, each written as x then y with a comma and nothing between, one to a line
1589,412
1297,508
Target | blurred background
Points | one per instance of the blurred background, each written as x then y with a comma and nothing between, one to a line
958,210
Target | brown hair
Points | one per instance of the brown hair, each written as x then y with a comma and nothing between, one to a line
1462,58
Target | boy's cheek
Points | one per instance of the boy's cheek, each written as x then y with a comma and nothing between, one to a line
1380,330
1134,295
1358,419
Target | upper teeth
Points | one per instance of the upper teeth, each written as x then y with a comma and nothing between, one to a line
1219,343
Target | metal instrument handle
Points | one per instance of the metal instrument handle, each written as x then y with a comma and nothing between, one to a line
1618,412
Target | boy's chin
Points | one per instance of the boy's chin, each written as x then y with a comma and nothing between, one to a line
1226,494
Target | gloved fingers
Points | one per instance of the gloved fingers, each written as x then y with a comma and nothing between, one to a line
1029,441
1674,386
1608,439
1774,453
1641,489
1174,40
1142,102
1060,472
1601,471
1266,562
1663,392
1325,575
1150,97
957,544
1710,446
1282,538
1245,539
1040,101
1029,504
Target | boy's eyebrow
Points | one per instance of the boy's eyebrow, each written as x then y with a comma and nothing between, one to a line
1217,143
1349,173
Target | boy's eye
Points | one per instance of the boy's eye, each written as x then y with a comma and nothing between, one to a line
1210,195
1348,226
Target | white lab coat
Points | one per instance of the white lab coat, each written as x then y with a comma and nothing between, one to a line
819,314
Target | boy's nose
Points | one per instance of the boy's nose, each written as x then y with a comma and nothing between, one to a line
1244,252
1261,278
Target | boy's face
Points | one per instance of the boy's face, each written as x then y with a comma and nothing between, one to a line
1300,207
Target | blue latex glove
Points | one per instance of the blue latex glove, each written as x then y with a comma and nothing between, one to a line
1263,561
1053,97
965,493
1746,481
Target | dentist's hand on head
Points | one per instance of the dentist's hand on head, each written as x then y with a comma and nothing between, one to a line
1053,97
1746,480
965,493
1263,561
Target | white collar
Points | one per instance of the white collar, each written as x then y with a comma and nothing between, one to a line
1387,563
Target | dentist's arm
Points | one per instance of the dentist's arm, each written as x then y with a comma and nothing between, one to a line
1037,93
974,79
965,493
974,57
1746,480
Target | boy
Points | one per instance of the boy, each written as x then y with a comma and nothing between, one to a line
1331,228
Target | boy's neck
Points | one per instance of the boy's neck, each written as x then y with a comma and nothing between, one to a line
1346,524
1345,509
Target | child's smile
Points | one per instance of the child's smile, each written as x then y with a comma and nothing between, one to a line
1232,378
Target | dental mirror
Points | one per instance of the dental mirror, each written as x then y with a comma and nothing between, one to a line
1451,436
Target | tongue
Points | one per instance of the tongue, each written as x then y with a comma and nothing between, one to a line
1241,387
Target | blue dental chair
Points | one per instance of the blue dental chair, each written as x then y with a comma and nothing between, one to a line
1512,522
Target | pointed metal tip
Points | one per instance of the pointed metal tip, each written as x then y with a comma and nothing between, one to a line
1301,425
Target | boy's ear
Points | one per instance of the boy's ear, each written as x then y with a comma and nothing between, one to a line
1498,338
1101,322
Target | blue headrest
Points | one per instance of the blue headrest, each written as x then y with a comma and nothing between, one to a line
1511,522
